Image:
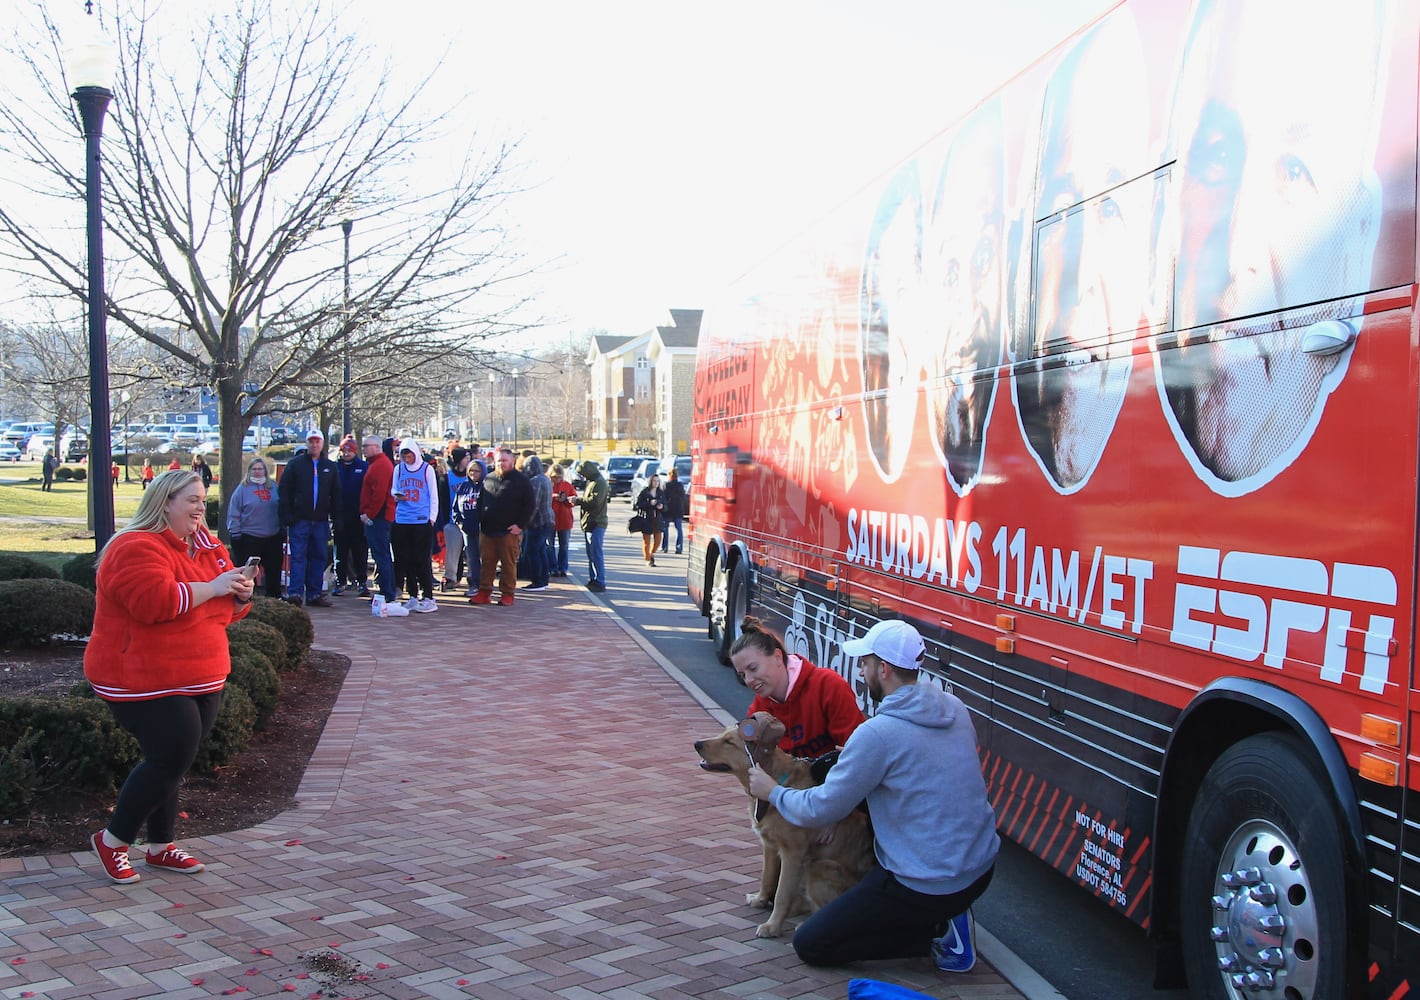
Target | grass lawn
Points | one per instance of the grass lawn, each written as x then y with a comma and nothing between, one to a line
24,506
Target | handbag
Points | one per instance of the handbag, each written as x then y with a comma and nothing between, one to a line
637,524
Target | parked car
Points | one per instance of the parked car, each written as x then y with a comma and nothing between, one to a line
644,472
619,471
9,453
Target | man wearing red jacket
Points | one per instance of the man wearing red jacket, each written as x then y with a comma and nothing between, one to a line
377,514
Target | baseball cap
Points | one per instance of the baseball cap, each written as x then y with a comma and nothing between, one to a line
315,436
892,642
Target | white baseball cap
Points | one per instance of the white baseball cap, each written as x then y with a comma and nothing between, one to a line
892,642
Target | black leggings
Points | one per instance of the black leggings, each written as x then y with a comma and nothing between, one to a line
169,731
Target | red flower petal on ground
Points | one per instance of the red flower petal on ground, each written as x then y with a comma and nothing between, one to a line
252,972
293,843
178,906
461,982
180,935
261,951
198,981
303,975
17,961
333,944
382,965
288,987
183,815
234,991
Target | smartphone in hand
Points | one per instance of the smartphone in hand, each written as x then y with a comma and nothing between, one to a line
252,565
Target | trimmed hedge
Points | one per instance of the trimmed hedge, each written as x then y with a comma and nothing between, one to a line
34,611
254,674
80,570
259,637
232,733
52,742
16,567
292,622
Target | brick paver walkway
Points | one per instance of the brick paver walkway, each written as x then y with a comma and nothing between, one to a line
505,803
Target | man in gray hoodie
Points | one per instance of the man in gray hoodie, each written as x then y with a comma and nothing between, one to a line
934,832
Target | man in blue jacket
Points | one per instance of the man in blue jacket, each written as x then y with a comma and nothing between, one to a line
309,496
934,832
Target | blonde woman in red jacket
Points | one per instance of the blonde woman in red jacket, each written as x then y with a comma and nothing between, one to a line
167,590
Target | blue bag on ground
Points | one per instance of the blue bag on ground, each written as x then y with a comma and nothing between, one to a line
871,989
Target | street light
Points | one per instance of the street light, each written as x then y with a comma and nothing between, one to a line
492,381
345,226
91,66
515,411
123,398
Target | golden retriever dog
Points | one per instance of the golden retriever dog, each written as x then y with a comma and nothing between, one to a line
800,872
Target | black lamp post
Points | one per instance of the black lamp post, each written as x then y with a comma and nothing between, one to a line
345,227
515,413
91,65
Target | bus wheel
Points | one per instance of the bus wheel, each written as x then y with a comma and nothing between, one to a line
736,607
719,607
1263,895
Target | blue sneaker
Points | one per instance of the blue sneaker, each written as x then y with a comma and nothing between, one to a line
955,951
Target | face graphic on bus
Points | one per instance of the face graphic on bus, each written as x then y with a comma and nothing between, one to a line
1091,243
1277,209
892,333
962,273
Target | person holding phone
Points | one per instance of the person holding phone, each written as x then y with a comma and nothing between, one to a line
166,591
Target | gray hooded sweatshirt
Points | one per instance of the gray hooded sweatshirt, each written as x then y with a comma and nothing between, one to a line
915,762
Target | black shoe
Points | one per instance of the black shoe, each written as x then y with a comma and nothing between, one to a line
653,562
365,592
596,587
294,600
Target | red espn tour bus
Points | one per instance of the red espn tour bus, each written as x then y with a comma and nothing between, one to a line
1112,390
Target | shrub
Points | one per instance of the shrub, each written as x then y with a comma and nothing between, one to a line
17,567
213,514
18,780
64,473
258,637
80,570
255,674
292,622
232,733
77,744
34,611
81,474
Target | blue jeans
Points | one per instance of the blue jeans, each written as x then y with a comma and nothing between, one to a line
473,558
564,542
377,534
596,559
537,541
310,551
679,533
880,918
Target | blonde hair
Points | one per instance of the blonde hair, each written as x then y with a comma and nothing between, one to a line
152,515
253,461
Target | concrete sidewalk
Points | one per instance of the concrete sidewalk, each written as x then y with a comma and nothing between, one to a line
505,803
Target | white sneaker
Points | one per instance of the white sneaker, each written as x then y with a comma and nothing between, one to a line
413,603
427,605
396,611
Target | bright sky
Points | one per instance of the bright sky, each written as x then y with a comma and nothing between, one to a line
676,143
672,144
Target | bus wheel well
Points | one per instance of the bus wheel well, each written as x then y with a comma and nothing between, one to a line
1222,716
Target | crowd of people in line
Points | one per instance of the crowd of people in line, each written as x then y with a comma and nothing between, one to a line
389,503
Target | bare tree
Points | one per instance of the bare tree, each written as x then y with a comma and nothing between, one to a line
232,157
